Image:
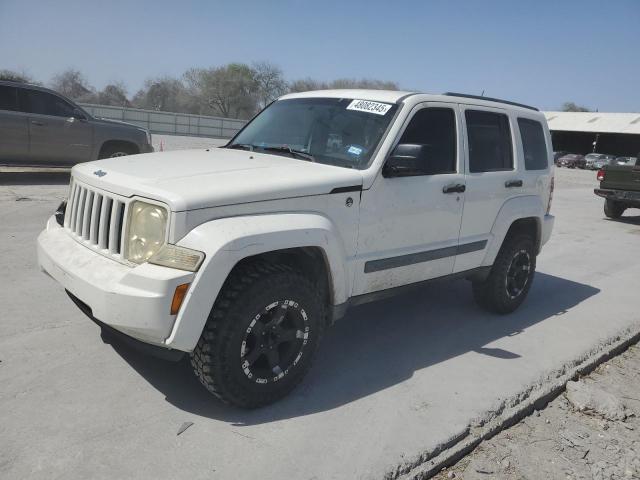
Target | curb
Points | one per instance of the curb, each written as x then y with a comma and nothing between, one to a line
449,453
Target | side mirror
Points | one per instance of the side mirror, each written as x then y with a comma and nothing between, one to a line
406,160
78,114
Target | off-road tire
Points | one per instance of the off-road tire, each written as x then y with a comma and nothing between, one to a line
494,293
250,289
613,209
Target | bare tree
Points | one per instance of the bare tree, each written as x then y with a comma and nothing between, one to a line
165,94
11,76
269,81
364,83
230,91
113,94
307,84
74,85
235,90
572,107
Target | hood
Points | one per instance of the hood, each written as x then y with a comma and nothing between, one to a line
191,179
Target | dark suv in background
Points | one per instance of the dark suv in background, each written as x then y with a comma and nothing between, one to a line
41,127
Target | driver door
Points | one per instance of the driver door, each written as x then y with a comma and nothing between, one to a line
409,226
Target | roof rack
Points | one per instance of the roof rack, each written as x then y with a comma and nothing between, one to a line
489,99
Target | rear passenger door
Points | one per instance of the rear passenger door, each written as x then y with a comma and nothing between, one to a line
14,132
58,134
491,178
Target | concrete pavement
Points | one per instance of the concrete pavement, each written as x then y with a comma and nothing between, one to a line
394,381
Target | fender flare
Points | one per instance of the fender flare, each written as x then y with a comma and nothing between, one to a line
227,241
526,206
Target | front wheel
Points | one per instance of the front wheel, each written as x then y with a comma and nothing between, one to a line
510,278
613,209
117,150
261,336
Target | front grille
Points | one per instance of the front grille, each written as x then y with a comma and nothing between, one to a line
96,218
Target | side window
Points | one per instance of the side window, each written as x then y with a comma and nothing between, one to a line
533,144
435,130
8,98
35,101
490,148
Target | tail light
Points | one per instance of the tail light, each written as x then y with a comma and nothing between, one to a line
600,175
552,185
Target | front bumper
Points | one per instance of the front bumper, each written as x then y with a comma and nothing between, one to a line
133,300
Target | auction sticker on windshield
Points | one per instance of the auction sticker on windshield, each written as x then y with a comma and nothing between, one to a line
369,107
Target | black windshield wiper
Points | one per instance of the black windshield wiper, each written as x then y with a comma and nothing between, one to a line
295,153
242,146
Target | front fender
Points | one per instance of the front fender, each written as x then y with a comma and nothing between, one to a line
512,210
226,241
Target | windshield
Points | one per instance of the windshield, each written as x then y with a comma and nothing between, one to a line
333,131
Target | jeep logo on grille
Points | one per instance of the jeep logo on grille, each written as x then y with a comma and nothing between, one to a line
100,173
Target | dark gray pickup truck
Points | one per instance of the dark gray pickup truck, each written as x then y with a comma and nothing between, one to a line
620,187
42,128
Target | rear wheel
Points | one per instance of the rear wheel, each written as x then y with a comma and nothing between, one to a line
510,278
613,209
261,335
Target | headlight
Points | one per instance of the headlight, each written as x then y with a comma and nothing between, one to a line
146,232
173,256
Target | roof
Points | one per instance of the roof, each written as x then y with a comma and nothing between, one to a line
388,96
395,96
597,122
28,85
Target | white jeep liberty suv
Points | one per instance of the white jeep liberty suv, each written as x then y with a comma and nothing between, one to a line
241,256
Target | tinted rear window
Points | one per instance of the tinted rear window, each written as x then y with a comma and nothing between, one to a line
533,144
490,147
35,101
8,98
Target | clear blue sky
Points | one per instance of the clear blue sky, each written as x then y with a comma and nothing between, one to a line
542,52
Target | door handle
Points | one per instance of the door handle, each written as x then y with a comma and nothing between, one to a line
36,123
513,183
455,188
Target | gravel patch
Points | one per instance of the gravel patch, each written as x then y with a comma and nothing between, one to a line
589,432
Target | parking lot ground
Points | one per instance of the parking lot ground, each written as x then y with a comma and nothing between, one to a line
396,382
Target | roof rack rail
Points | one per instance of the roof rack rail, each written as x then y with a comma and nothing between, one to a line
489,99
